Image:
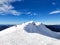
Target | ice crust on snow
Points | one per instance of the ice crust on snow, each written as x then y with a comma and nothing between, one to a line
29,33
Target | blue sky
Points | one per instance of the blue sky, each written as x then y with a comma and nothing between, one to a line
19,11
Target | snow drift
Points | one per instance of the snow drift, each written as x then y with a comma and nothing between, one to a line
29,33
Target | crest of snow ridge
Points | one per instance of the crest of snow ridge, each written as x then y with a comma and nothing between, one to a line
32,27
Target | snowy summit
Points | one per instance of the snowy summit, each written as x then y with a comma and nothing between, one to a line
29,33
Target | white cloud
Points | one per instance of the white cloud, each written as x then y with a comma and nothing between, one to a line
35,14
28,13
55,12
53,3
7,8
14,12
31,13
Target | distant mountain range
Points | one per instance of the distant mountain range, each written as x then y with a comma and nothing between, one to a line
55,28
2,27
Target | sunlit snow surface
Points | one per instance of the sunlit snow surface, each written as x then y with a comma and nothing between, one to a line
29,33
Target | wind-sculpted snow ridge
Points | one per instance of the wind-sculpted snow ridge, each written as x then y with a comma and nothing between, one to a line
29,33
41,29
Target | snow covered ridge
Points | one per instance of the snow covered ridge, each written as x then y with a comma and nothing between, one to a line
29,33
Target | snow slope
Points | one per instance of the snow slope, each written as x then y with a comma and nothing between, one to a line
29,33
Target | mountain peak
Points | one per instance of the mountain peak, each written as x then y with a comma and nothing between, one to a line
33,22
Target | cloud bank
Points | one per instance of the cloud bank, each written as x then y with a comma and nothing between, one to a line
7,8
